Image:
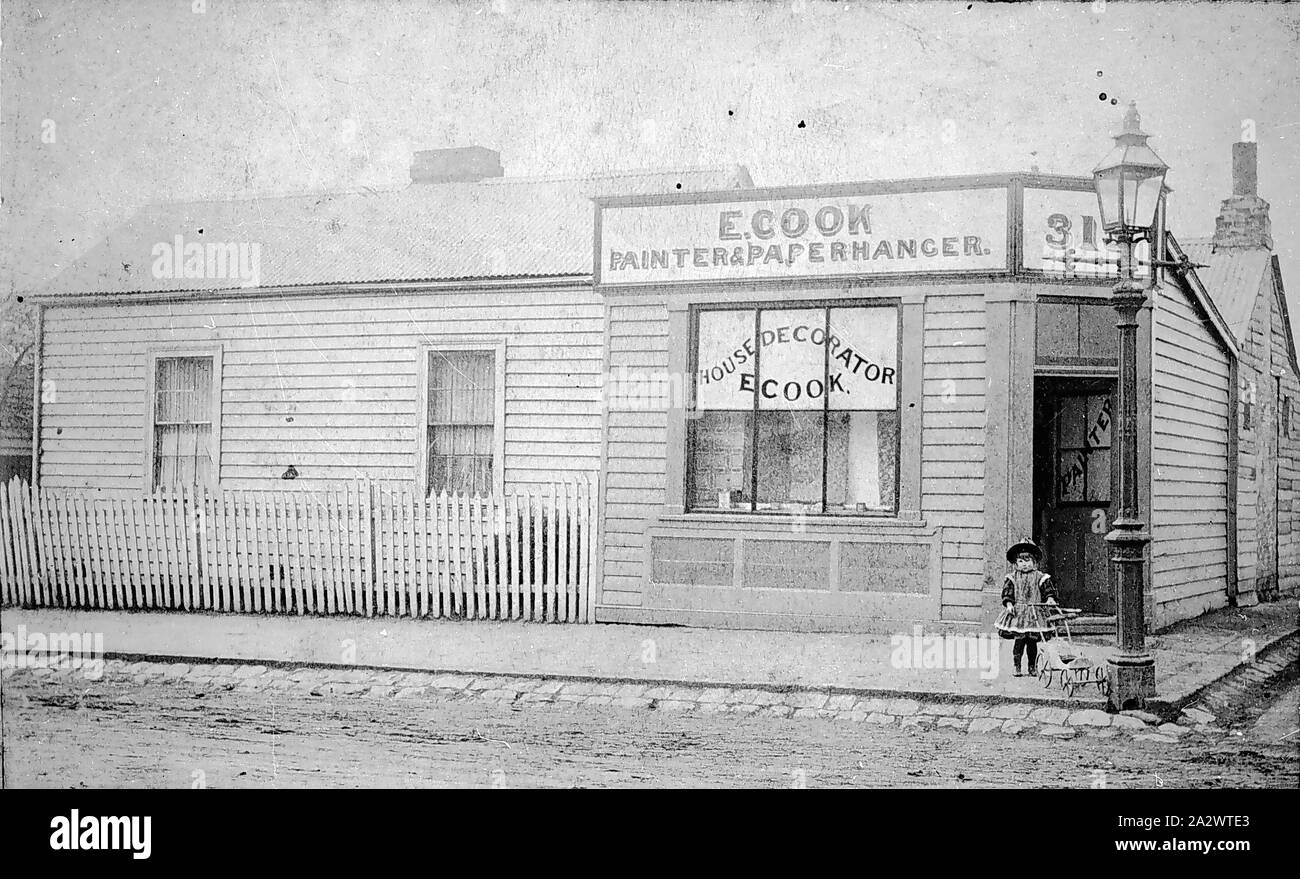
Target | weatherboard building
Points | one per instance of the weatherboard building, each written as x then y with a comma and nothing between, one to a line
818,407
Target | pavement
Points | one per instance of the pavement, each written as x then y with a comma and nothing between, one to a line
679,664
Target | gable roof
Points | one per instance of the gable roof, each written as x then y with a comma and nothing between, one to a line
1286,316
498,228
1232,276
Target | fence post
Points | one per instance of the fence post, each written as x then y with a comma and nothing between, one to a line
584,547
421,528
33,553
12,594
104,539
353,537
42,546
593,569
342,547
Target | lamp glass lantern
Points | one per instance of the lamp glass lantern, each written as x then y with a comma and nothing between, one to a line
1129,181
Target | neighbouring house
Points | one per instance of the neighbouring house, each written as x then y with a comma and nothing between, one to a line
1242,275
445,334
371,402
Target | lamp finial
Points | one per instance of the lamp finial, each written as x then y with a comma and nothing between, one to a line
1132,121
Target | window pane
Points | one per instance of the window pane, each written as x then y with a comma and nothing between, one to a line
165,454
187,445
462,470
862,458
1099,475
165,384
184,389
462,387
725,354
864,358
1070,420
720,466
483,441
485,382
437,472
200,389
1070,467
792,362
789,448
203,455
1098,422
460,458
170,447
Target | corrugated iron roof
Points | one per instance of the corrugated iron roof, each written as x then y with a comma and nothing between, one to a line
1232,278
501,227
1195,286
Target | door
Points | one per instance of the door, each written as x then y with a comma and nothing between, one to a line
1075,488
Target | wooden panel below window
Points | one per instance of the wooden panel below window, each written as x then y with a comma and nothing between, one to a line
884,567
786,564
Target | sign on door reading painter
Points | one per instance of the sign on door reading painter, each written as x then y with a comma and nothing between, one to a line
803,357
956,230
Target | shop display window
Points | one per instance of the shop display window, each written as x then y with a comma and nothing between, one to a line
795,410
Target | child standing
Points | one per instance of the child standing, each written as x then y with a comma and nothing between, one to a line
1024,589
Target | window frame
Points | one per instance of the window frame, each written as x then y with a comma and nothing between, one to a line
174,352
497,348
824,305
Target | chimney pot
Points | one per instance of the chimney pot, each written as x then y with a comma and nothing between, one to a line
1244,169
1243,216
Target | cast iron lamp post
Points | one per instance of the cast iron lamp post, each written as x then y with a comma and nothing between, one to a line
1129,183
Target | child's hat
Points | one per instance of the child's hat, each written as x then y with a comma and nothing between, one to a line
1025,545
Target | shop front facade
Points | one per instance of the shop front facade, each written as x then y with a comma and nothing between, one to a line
833,408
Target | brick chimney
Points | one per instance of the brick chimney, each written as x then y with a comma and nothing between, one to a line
459,165
1243,218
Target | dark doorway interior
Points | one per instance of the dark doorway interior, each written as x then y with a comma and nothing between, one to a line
1075,488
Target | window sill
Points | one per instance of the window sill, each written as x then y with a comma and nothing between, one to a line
783,521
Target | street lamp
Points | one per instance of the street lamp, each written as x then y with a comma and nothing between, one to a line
1129,183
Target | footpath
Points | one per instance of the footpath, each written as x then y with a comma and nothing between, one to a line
875,678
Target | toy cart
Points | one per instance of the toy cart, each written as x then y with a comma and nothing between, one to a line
1060,661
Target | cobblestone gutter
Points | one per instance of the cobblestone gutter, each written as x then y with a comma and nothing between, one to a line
975,716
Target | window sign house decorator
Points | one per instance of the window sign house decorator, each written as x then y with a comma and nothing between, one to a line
796,410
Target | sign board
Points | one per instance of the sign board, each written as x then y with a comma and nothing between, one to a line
1063,237
955,230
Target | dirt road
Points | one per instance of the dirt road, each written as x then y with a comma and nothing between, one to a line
72,732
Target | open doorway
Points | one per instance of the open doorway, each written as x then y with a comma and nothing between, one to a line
1076,488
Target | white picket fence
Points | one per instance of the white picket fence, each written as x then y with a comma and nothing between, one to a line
358,548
